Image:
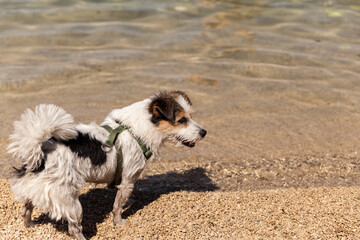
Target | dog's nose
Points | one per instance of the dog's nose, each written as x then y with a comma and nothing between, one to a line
202,132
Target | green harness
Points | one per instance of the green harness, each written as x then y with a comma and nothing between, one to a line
113,133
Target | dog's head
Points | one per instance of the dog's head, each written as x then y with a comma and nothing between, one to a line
172,115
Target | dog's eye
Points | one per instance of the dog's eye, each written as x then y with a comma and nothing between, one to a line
182,120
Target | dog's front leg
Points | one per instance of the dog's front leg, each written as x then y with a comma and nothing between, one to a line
122,195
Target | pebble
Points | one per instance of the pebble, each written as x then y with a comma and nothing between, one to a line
324,213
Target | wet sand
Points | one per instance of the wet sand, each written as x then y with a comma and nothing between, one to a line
288,143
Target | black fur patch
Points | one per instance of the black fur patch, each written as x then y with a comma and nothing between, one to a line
49,145
20,172
86,147
164,107
42,165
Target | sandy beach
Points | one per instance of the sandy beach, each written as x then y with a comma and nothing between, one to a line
314,213
275,84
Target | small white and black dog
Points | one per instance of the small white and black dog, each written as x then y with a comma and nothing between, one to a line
59,157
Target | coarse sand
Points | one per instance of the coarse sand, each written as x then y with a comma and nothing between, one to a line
313,213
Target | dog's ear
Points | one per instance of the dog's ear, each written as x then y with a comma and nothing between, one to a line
163,108
184,95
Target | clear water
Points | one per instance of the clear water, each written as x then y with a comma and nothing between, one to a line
276,75
283,40
267,78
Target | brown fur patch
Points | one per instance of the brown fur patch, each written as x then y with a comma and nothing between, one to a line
166,111
184,95
163,106
165,126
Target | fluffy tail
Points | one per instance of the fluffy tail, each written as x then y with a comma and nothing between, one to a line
33,128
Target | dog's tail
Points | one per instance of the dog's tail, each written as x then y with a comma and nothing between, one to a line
36,126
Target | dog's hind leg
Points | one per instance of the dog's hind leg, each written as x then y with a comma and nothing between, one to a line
74,218
26,214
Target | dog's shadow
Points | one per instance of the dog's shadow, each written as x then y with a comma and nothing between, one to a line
98,202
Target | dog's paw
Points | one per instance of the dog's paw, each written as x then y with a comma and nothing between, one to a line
119,221
29,224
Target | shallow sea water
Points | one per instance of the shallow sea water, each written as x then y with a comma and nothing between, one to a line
283,40
268,79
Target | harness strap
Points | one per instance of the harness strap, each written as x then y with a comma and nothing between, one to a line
146,151
113,133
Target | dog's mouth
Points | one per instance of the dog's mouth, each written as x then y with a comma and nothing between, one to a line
187,143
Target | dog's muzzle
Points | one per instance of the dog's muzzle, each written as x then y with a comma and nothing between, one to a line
191,144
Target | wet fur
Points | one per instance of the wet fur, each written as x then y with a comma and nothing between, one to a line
60,157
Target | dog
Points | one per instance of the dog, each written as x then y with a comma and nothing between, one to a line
59,157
